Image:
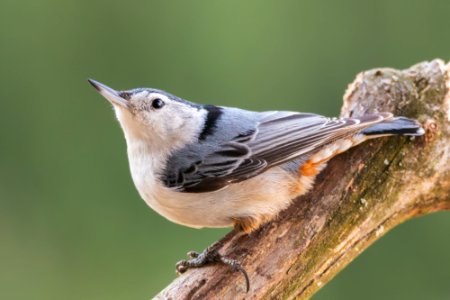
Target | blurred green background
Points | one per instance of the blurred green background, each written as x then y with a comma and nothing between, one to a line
72,225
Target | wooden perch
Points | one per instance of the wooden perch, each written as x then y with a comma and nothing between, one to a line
361,195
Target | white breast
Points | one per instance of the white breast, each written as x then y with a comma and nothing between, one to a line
265,194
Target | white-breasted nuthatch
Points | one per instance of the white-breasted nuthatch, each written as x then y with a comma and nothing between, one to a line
213,166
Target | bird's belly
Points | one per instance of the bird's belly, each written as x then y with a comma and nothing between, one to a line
260,197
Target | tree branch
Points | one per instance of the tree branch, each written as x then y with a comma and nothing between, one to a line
361,195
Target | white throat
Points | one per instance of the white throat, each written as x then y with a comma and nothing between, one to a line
145,163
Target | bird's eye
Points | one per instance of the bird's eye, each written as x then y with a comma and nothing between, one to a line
157,103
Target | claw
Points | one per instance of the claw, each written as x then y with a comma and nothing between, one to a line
193,254
208,256
181,267
236,266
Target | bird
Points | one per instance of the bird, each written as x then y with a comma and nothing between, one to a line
213,166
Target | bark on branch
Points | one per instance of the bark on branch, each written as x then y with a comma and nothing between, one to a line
361,195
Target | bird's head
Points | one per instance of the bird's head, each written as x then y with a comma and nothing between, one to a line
154,116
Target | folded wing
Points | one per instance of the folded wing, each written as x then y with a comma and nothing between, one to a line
276,139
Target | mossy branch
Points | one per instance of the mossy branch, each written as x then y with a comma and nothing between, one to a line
361,195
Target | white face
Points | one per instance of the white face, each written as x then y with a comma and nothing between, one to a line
156,117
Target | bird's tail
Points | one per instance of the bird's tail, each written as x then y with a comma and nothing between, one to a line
397,125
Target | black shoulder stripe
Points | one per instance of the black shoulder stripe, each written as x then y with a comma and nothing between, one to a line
214,112
234,150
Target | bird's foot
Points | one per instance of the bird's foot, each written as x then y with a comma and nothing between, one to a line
210,256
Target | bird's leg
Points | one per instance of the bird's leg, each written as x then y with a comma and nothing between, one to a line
211,255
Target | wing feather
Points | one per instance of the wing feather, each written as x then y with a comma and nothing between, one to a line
276,139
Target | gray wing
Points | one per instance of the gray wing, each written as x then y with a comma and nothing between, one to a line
277,138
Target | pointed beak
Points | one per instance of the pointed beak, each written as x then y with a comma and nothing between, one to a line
110,94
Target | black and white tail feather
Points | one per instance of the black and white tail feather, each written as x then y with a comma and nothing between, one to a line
398,125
